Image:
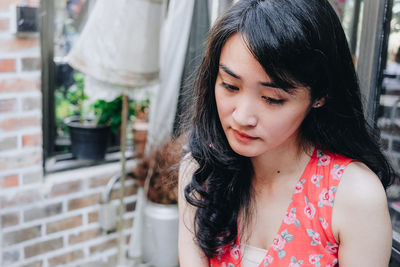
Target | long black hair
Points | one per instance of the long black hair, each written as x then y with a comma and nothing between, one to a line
296,42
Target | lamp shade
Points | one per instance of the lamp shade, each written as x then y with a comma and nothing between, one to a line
120,42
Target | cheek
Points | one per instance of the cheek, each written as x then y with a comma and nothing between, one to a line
224,106
284,124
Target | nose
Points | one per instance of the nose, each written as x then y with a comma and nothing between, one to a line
244,114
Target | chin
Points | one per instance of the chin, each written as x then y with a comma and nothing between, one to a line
245,151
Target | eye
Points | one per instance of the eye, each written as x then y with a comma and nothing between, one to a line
273,101
229,86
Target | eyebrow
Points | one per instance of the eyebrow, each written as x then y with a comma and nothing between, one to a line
234,75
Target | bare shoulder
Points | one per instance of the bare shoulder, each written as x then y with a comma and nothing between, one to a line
360,187
360,218
187,167
190,253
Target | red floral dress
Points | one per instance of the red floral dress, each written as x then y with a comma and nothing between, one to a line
305,236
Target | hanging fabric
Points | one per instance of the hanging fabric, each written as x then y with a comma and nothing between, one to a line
200,27
174,41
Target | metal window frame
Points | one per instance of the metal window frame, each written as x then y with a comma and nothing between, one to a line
47,77
47,28
372,54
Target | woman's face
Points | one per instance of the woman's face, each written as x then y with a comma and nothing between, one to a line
256,116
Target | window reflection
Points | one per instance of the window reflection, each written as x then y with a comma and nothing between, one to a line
388,121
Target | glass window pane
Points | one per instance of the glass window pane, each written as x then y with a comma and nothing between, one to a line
388,116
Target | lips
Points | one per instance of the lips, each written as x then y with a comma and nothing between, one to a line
243,137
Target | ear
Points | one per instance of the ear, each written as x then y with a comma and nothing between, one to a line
319,102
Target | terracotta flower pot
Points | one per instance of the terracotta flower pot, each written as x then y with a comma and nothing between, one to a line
139,131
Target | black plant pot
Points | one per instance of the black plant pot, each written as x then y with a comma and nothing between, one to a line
88,141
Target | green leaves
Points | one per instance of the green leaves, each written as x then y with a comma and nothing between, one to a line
109,113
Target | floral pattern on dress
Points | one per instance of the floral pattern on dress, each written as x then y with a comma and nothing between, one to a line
323,159
268,260
224,264
337,171
290,218
220,252
295,263
327,196
315,236
279,242
309,209
334,263
331,248
305,236
315,179
324,223
299,187
315,259
235,252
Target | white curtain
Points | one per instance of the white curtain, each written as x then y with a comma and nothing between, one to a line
339,6
174,41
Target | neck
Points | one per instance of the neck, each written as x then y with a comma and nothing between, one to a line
287,161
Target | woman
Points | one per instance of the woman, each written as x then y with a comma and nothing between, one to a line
277,123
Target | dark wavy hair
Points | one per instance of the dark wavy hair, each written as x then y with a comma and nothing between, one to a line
296,42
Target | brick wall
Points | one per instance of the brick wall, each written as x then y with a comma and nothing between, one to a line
53,220
20,106
56,222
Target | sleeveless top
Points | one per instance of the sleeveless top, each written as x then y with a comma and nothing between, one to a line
305,235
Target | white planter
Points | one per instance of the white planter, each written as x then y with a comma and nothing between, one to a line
160,239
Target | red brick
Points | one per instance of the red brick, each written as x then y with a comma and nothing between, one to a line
42,212
34,3
8,105
8,143
63,224
79,203
31,103
32,140
9,181
107,245
31,64
18,44
34,264
4,24
7,65
19,236
24,159
128,223
84,236
19,123
93,217
129,191
96,182
66,258
43,247
10,257
9,219
65,188
5,4
21,198
18,85
32,177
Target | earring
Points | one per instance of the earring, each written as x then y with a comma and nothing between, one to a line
317,105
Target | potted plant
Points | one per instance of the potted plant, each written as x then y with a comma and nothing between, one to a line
157,172
89,135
